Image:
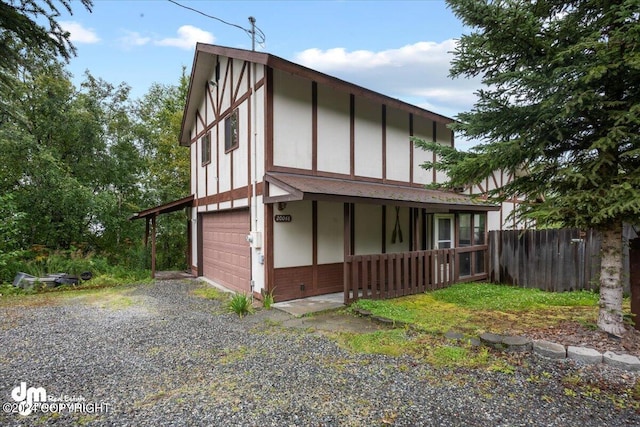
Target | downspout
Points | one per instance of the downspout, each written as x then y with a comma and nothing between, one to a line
254,150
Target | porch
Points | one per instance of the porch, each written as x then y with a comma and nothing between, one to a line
370,240
382,276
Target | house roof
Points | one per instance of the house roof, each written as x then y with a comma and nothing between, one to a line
173,206
306,187
204,61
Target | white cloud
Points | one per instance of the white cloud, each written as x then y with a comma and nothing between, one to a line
134,39
188,36
79,34
416,73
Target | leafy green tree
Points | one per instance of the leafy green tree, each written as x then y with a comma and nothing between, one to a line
166,177
30,26
560,108
71,161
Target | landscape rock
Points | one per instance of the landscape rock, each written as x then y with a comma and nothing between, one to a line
492,340
622,361
549,349
584,355
517,344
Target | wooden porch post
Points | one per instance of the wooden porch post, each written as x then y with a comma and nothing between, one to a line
153,246
634,280
347,251
146,234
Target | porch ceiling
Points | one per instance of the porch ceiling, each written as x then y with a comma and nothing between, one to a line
306,187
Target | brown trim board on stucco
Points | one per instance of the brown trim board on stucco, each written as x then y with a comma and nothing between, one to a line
307,187
205,58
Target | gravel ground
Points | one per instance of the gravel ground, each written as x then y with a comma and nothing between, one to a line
154,355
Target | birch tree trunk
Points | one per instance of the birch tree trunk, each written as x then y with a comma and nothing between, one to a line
610,315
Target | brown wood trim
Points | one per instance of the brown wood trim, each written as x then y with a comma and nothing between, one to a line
189,238
239,85
383,245
217,160
210,148
347,249
268,245
202,123
314,254
209,90
411,148
352,135
260,83
199,249
281,64
233,190
383,126
268,137
226,82
314,127
434,136
227,196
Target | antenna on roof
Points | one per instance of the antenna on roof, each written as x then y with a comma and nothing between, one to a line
252,32
252,20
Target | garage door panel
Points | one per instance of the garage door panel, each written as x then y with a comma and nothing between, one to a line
225,250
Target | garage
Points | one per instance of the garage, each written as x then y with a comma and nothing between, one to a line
225,250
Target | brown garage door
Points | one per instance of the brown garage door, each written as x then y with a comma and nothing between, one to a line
225,250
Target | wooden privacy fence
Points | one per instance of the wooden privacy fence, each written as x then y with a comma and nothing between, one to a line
551,260
392,275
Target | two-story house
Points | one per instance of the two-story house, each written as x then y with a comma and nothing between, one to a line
304,184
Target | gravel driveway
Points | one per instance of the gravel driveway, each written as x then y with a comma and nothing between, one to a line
154,355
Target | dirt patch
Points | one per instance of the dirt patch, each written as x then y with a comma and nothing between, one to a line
573,333
334,321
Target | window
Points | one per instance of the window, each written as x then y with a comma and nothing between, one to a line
479,229
205,146
464,230
444,231
231,138
471,232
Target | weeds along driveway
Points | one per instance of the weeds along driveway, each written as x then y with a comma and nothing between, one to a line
156,355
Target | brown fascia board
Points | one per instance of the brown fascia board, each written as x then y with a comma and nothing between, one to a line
291,68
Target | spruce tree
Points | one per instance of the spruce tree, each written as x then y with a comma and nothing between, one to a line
560,107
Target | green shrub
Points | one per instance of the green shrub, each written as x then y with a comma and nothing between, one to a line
267,298
240,304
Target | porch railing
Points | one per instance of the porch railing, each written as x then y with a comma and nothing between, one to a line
391,275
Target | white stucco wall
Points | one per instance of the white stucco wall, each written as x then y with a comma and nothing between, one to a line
293,241
333,130
330,232
422,129
367,229
240,154
398,145
368,139
292,130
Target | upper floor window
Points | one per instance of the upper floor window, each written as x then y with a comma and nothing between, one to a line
205,146
231,138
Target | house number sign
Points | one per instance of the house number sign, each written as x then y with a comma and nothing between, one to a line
283,218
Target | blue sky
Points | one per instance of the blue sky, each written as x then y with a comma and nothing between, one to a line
398,48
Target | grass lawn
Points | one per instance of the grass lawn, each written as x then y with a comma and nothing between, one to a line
470,309
473,308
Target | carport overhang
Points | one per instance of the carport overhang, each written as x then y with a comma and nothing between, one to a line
287,187
151,214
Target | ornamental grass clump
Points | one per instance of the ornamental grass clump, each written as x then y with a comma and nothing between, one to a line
240,304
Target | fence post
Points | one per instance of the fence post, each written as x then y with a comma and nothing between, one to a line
634,280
